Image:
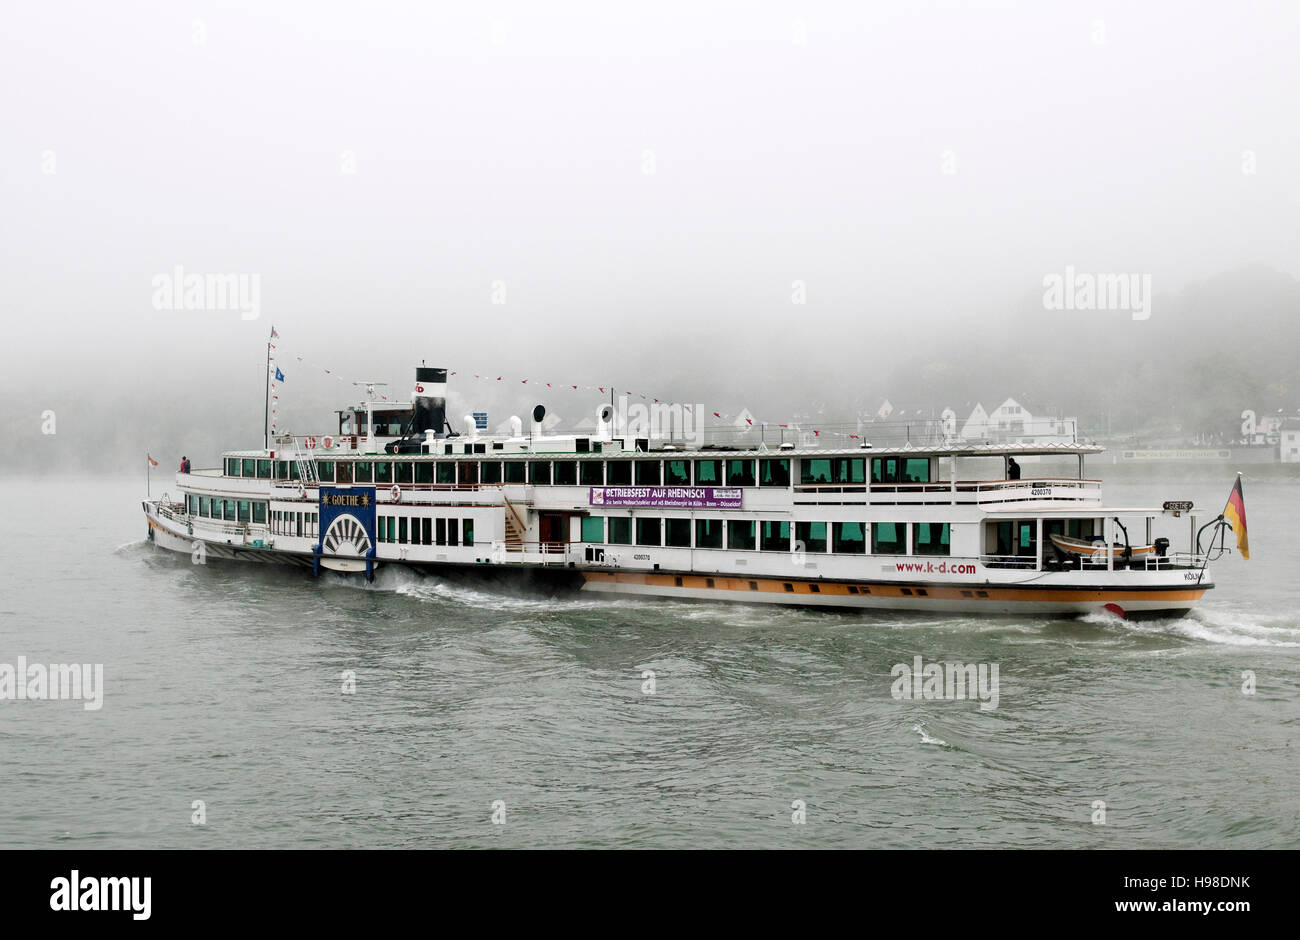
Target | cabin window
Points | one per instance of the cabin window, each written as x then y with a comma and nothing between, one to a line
849,538
281,470
916,470
889,538
232,467
244,513
708,533
620,530
539,472
402,472
515,471
250,467
850,470
647,473
325,471
490,471
931,538
381,528
649,531
264,469
426,531
468,473
343,472
593,529
566,473
259,513
453,532
774,472
293,470
401,529
467,528
815,471
364,472
618,473
445,475
774,536
230,509
677,533
424,472
708,473
591,473
884,469
810,536
383,471
1079,528
677,472
740,473
205,506
740,534
440,532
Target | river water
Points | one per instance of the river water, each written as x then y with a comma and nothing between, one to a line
224,686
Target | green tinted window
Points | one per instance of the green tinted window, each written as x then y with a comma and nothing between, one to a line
740,473
259,512
402,472
591,472
264,469
815,471
363,472
930,538
566,473
774,472
649,531
515,471
849,537
325,471
708,533
774,536
677,472
424,472
810,536
916,470
491,471
647,473
593,529
539,472
620,530
446,473
249,468
244,515
383,471
850,470
889,538
708,473
740,534
677,532
618,473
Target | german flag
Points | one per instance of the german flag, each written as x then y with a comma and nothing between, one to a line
1235,512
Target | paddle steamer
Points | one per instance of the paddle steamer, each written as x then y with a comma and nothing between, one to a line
921,527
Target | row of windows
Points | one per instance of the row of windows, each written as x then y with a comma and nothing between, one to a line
886,538
301,524
226,510
740,471
407,530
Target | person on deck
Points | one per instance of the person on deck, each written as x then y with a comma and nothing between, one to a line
1013,469
185,464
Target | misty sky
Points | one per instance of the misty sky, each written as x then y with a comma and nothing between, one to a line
510,142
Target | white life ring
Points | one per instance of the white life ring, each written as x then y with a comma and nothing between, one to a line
328,442
302,489
311,443
396,493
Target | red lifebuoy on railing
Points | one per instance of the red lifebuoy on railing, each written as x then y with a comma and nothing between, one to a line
396,494
311,443
328,442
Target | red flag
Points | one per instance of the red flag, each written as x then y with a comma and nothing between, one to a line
151,460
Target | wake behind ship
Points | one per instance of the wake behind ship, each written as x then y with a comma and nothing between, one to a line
614,512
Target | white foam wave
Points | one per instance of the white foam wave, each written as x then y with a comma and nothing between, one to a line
926,738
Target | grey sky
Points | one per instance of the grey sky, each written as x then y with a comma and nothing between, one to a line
508,142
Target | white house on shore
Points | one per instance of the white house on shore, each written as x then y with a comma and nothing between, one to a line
1289,440
1011,422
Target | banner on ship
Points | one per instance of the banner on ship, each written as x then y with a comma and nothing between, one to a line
666,497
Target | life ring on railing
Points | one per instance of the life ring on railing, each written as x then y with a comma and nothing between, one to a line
328,442
311,443
396,494
302,489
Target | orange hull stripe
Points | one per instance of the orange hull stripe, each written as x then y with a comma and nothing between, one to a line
836,589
